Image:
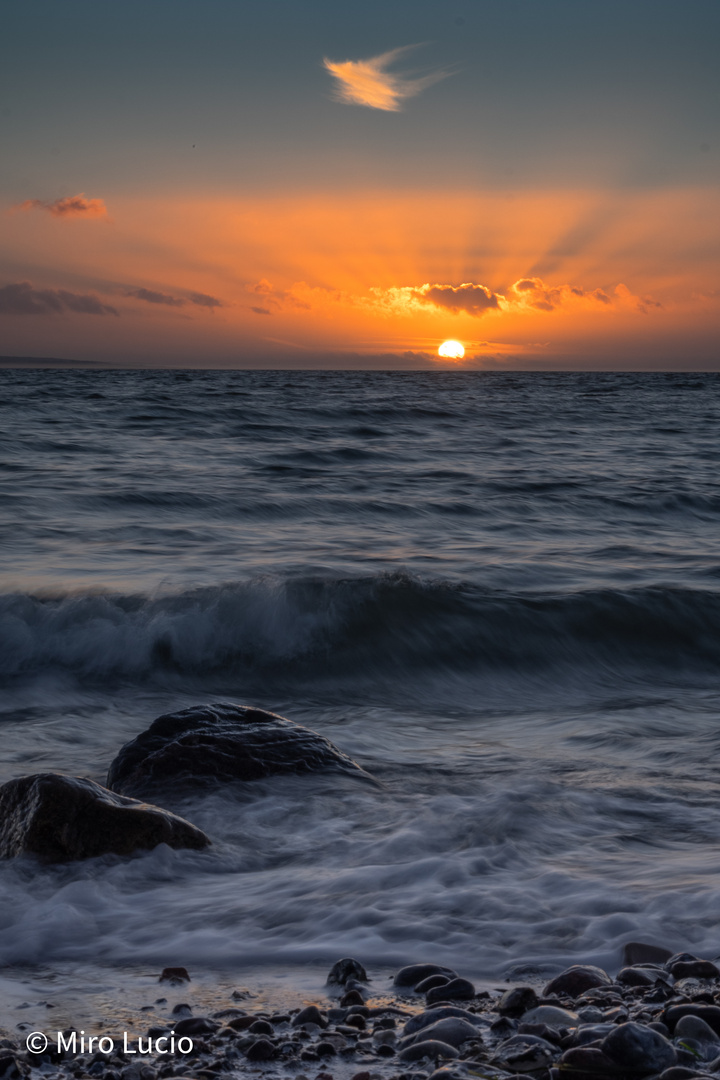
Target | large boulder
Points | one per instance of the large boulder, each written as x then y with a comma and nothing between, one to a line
210,744
61,818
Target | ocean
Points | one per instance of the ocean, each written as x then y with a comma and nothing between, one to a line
498,592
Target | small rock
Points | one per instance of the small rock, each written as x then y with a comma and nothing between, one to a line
576,980
174,975
430,983
452,1030
196,1025
634,976
310,1015
261,1027
637,953
709,1013
694,1027
344,970
455,990
517,1001
428,1048
552,1016
525,1053
261,1050
431,1016
639,1049
414,973
695,969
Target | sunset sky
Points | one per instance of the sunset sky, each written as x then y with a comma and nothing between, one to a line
323,184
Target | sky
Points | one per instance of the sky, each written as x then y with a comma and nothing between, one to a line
334,185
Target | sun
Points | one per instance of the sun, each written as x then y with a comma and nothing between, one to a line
452,349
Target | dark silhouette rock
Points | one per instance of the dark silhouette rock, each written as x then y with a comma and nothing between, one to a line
709,1013
455,990
517,1001
695,969
635,952
415,973
346,969
220,743
636,1048
61,818
576,980
174,975
636,976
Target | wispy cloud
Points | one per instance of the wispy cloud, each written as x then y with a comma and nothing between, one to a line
22,299
368,82
150,296
69,206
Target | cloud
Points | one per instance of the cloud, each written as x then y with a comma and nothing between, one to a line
367,82
150,296
69,206
261,310
23,299
203,300
155,297
283,299
474,299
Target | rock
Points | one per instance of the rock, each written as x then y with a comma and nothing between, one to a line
455,990
310,1015
451,1029
220,743
576,980
525,1053
517,1001
352,997
415,973
587,1060
261,1050
430,983
196,1025
431,1016
679,1072
694,1027
635,976
344,970
637,953
260,1027
60,818
428,1048
709,1013
552,1016
695,969
174,976
639,1049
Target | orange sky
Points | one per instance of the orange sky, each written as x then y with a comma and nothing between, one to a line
344,273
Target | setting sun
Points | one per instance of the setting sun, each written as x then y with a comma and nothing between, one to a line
452,349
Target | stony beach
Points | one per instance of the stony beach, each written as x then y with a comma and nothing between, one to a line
658,1016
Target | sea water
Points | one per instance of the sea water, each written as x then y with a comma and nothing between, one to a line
498,592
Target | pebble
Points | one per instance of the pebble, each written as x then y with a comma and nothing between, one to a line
575,980
414,973
455,990
428,1048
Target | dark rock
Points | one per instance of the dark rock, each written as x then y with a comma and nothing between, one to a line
261,1027
679,1072
709,1013
352,997
60,818
456,990
356,1021
576,980
431,1016
429,1048
325,1049
219,743
241,1023
181,1009
635,976
385,1051
587,1059
310,1015
344,970
450,1029
503,1027
637,1048
637,953
174,976
414,973
196,1025
695,969
522,1053
517,1001
261,1050
693,1027
430,983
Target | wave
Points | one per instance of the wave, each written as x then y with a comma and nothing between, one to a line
316,626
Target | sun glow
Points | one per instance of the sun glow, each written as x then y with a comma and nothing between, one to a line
453,350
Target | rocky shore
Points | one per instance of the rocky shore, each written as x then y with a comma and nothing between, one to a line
658,1017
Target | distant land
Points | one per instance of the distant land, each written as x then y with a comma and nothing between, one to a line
43,361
